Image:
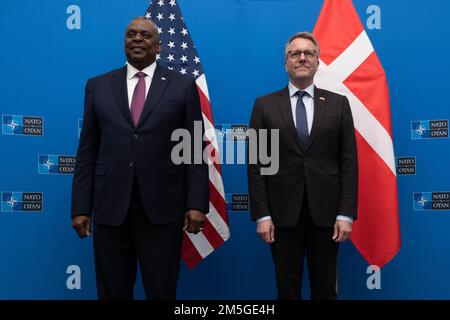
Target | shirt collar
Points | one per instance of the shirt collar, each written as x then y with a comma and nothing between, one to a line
149,70
293,89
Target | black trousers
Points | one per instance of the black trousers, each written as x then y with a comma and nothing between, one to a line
288,253
118,249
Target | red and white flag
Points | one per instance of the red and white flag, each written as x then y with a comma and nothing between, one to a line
178,53
350,66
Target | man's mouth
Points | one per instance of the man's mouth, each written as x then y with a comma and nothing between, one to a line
137,48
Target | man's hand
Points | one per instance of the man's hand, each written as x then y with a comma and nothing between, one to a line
342,230
82,225
194,221
266,231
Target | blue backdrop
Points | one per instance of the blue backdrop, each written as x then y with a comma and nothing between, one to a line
45,66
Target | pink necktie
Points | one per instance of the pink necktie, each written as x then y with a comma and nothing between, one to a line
137,103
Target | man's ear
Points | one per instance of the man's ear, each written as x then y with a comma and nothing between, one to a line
159,47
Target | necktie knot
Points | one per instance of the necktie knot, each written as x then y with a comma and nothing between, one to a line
140,75
300,94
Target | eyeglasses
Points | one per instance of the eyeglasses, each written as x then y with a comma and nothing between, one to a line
294,55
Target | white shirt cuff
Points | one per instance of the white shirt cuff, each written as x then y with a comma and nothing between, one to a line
263,219
340,217
344,218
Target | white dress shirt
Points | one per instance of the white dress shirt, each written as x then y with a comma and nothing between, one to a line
308,101
132,80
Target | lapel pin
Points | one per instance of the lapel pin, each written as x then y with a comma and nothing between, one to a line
162,78
322,98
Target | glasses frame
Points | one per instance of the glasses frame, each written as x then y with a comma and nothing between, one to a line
309,54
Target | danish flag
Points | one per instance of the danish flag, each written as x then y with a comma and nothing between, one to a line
350,66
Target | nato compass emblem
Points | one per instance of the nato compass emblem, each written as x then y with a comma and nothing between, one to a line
48,164
13,125
422,201
11,202
420,130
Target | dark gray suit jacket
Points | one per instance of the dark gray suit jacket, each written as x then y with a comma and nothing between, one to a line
325,169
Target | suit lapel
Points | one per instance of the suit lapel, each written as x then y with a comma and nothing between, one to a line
284,103
319,112
159,83
119,88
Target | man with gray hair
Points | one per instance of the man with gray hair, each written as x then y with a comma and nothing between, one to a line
309,205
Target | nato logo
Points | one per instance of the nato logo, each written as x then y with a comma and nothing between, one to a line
80,126
237,201
56,164
22,125
233,132
431,201
22,201
406,165
429,129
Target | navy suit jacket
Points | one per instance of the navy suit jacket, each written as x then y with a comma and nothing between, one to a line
113,151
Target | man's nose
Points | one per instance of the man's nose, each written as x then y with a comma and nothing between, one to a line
302,56
137,37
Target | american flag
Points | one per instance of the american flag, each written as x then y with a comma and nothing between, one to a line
178,54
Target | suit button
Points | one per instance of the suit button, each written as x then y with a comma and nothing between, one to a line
135,136
131,164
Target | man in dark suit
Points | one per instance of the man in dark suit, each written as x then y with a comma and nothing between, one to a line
309,205
125,178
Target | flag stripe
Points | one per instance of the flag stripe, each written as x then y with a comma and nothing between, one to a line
216,179
200,242
219,222
210,134
190,254
201,83
217,202
211,233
